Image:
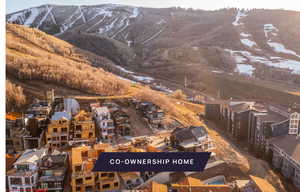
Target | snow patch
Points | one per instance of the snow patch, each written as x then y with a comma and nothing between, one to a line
245,69
34,12
45,17
162,21
135,13
277,62
143,79
271,32
243,34
240,14
248,42
81,14
124,70
154,36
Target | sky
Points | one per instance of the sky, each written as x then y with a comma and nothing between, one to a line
16,5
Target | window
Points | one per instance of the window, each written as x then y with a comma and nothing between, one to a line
78,189
16,181
106,186
44,185
32,180
88,188
111,174
103,174
78,127
90,134
79,181
116,184
27,180
57,184
55,130
88,178
77,168
22,167
84,154
64,130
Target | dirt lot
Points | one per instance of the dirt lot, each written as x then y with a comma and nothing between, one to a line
138,126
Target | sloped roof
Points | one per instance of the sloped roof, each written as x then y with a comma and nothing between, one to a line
184,134
32,156
190,181
61,115
157,187
262,184
272,117
199,131
101,110
71,106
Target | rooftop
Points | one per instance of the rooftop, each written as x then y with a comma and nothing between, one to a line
271,116
129,175
262,184
290,144
157,187
61,115
32,156
101,110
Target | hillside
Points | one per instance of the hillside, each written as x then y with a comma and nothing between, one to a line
37,62
257,43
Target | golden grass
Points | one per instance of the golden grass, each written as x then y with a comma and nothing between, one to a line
34,55
14,96
295,93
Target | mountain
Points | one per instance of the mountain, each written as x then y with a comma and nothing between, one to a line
258,43
219,53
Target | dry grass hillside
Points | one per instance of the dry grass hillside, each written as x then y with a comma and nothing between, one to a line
14,96
38,62
34,55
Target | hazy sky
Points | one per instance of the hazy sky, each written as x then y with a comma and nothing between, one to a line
15,5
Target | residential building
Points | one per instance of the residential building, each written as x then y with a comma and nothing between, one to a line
104,123
122,122
58,132
191,139
131,179
83,127
153,114
24,175
284,152
234,117
82,163
263,125
15,130
35,132
53,170
39,108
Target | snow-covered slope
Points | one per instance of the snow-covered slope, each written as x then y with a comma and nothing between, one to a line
149,37
110,20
